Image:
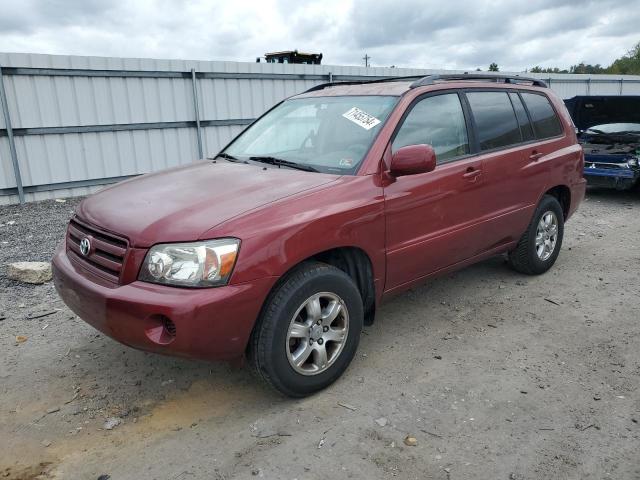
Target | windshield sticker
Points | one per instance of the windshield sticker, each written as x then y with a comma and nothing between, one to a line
361,118
346,162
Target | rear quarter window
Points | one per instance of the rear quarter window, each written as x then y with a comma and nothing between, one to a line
495,119
546,123
523,119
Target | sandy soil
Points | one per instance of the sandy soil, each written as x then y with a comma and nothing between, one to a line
497,376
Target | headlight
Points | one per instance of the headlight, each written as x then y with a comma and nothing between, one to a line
199,264
633,162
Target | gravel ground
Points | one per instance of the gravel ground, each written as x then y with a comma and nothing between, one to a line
495,374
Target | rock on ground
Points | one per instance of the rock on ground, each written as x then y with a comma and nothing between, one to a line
29,272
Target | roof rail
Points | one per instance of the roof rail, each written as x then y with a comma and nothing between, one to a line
513,79
322,86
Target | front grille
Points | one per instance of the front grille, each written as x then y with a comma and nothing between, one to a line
607,165
106,254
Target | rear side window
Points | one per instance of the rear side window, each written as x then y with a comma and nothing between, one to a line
545,121
437,121
495,119
523,119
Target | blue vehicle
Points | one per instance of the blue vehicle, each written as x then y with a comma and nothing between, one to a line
608,129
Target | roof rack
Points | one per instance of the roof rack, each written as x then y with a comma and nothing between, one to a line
513,79
322,86
422,80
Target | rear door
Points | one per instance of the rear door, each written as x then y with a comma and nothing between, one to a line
433,219
510,154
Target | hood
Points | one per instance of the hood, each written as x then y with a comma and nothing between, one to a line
181,204
588,111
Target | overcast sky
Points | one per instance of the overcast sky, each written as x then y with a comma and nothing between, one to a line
406,33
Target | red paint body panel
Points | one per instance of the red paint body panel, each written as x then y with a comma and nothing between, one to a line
211,323
411,228
180,204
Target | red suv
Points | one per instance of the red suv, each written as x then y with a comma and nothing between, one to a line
284,244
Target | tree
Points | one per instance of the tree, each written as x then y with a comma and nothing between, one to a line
587,68
494,67
538,69
628,64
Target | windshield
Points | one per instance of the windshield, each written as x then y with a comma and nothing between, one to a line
330,134
616,128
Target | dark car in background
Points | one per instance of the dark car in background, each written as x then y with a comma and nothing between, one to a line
609,132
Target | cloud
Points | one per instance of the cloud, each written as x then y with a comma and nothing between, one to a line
28,16
462,34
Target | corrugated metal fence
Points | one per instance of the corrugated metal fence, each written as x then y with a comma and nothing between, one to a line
71,124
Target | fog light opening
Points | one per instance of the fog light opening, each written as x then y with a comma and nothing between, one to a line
169,326
160,329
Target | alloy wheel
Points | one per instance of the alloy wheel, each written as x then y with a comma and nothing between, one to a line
546,235
317,333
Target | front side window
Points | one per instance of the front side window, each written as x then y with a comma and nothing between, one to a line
545,121
437,121
495,119
330,134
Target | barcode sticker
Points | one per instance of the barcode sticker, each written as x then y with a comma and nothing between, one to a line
362,118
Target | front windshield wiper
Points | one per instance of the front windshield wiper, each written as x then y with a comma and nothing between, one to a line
226,156
282,163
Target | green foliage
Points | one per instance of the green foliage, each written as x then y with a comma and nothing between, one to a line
587,68
537,69
628,64
494,67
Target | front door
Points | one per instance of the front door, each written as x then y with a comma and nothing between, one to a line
435,219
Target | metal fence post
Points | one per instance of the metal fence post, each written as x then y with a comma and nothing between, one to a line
330,77
197,112
621,85
12,143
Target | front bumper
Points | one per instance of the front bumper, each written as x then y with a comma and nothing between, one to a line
618,176
210,324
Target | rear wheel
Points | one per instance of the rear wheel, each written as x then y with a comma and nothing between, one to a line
309,330
539,246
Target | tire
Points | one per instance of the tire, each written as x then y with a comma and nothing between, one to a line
526,258
278,344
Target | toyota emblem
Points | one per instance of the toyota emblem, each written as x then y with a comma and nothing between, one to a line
85,246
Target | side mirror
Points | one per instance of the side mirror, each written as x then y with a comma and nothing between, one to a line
413,159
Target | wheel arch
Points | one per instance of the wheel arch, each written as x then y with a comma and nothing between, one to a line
354,261
563,194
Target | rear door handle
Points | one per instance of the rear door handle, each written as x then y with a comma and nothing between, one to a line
535,156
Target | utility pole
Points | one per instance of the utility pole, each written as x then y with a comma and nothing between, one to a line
366,59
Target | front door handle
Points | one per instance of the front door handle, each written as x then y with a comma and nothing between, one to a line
535,156
472,174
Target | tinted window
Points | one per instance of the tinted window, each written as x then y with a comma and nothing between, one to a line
544,118
523,118
495,120
437,121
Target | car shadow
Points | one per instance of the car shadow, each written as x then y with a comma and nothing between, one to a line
613,195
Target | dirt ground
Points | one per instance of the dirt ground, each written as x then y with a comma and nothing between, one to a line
497,376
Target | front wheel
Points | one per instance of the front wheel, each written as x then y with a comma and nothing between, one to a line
309,330
539,246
